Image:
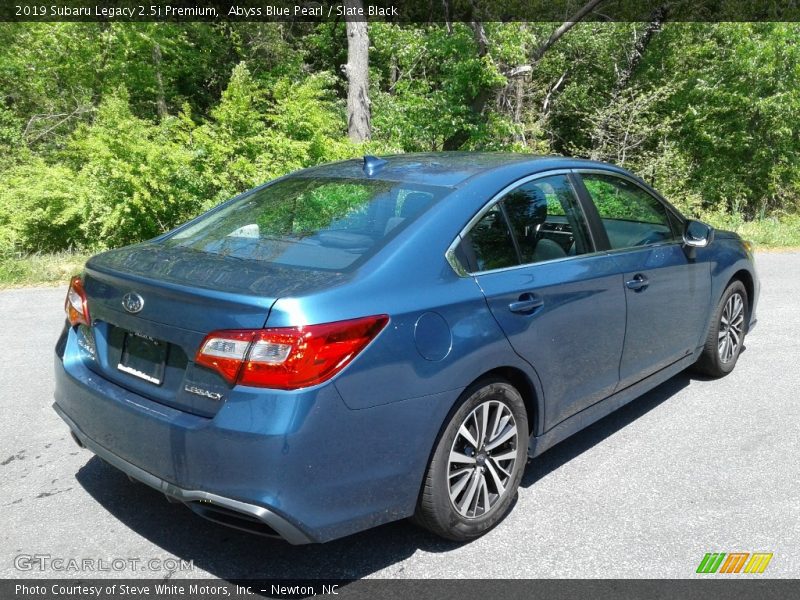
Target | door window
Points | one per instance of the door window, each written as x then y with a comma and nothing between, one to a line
546,222
630,215
489,244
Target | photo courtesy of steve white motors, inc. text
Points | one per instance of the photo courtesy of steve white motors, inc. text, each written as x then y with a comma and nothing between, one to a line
171,589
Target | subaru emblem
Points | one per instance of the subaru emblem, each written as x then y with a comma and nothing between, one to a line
132,302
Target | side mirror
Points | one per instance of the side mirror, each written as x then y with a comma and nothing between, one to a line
697,234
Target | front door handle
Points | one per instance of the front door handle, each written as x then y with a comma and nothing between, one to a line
638,283
526,304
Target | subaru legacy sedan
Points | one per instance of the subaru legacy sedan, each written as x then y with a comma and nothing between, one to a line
376,339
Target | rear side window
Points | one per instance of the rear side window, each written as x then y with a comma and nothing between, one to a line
325,223
538,221
489,244
630,215
546,220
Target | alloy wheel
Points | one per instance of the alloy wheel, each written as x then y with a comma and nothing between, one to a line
482,459
731,328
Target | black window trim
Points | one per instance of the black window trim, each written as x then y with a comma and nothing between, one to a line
507,221
451,255
595,220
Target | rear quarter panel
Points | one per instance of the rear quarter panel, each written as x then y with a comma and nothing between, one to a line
441,336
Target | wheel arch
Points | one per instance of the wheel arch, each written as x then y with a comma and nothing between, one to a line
521,381
746,278
523,384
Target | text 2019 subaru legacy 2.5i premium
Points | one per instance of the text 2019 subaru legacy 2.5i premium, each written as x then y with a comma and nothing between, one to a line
365,341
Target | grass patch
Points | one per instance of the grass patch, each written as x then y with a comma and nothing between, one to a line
55,269
767,233
40,269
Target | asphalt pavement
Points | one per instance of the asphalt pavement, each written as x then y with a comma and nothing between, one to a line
694,466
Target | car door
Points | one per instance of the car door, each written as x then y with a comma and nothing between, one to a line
560,303
667,293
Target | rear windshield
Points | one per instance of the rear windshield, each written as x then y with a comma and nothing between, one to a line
330,223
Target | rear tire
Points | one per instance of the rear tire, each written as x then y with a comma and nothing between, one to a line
726,333
477,465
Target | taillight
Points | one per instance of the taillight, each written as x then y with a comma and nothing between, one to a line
75,305
287,358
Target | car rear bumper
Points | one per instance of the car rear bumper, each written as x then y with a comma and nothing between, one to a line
227,511
301,465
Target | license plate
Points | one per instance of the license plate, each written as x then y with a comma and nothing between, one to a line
143,357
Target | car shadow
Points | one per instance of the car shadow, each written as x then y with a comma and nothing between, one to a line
231,554
584,440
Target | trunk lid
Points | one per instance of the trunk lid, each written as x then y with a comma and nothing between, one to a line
175,297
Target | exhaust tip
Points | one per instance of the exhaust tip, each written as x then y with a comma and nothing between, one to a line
77,439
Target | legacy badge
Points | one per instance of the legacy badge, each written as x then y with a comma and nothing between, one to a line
201,392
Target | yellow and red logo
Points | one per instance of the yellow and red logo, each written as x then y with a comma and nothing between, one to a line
734,562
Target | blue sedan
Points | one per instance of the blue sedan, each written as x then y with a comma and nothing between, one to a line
376,339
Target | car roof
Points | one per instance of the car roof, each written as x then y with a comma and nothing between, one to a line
448,169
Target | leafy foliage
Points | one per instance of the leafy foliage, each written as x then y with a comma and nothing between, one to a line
115,132
42,208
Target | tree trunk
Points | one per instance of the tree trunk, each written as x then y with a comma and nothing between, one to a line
447,22
161,103
394,73
634,57
657,18
559,32
357,71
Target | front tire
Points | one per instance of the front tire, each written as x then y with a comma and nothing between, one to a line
726,334
477,465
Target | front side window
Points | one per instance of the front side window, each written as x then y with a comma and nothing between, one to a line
630,215
317,223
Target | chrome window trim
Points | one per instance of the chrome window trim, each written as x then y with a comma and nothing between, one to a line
536,264
461,270
453,261
614,251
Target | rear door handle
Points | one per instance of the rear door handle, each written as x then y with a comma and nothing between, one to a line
638,283
526,304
